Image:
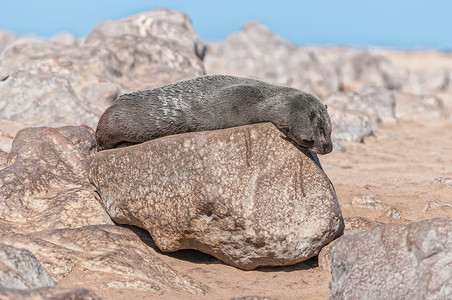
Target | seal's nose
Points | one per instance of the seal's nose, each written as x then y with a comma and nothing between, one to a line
328,147
324,148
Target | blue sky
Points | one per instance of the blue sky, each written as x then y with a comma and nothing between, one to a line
384,23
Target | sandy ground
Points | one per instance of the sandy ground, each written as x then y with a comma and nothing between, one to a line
398,164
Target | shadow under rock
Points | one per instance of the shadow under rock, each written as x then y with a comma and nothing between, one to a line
194,256
304,265
199,257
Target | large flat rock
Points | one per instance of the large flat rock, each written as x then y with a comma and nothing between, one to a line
245,195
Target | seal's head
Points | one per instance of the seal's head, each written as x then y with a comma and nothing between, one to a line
308,123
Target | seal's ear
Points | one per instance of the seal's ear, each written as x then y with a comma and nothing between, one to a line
326,106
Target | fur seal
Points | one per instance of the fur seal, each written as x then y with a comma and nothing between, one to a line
214,102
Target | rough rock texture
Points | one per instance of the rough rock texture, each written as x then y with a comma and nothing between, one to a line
244,195
394,261
33,100
50,208
47,208
324,257
104,257
19,269
129,53
55,293
352,225
45,184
